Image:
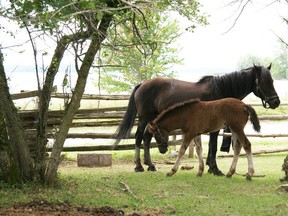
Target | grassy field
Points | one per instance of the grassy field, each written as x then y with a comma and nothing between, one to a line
155,194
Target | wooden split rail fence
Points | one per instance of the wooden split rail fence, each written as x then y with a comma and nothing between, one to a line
101,117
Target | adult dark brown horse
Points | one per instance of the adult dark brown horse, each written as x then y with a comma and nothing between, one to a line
196,117
153,96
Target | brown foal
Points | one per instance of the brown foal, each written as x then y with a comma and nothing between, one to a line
195,117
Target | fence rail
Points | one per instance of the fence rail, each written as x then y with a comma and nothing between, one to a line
102,117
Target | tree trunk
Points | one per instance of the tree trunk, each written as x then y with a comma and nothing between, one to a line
17,155
9,172
44,100
73,106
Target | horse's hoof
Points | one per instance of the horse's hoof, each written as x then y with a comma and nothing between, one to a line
152,168
216,172
219,173
139,169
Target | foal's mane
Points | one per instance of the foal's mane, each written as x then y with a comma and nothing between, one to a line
175,107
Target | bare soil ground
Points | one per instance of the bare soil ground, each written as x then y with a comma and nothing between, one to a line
42,207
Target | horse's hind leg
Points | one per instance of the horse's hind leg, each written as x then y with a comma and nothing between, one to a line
199,150
181,152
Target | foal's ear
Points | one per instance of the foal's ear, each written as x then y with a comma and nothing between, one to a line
269,67
151,127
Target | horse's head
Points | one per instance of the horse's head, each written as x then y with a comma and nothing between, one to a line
264,87
161,136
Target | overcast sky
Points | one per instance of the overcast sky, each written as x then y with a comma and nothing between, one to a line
210,50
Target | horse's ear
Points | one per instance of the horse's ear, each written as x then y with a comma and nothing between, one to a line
269,67
255,66
257,69
151,127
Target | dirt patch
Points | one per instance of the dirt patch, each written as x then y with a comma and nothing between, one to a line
42,207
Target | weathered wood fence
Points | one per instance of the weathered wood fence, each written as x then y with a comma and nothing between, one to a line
109,117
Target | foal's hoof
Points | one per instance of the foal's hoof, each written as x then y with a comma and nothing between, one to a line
139,169
200,173
169,174
228,175
151,168
215,171
248,177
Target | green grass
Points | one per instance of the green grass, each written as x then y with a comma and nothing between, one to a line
182,194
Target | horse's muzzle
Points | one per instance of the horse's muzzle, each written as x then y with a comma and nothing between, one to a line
274,103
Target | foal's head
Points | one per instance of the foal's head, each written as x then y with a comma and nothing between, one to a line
161,136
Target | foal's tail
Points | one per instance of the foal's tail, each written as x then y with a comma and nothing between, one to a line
128,119
253,118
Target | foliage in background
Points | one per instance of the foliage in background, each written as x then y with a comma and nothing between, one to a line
78,28
280,70
279,62
128,59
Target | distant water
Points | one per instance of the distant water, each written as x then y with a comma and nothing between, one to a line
27,81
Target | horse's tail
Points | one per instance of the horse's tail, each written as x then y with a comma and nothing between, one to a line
253,118
128,119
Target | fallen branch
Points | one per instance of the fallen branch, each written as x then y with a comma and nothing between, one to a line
127,188
283,187
187,167
258,152
259,176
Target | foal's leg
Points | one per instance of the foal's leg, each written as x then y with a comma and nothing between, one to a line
242,141
199,150
211,159
181,152
237,149
247,147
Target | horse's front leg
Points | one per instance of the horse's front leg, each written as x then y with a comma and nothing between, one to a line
199,151
237,149
211,159
181,152
147,158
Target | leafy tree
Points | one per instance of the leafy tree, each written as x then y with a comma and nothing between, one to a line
280,70
249,60
280,65
78,27
127,59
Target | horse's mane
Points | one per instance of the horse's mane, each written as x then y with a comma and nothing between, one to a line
234,84
205,79
175,107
